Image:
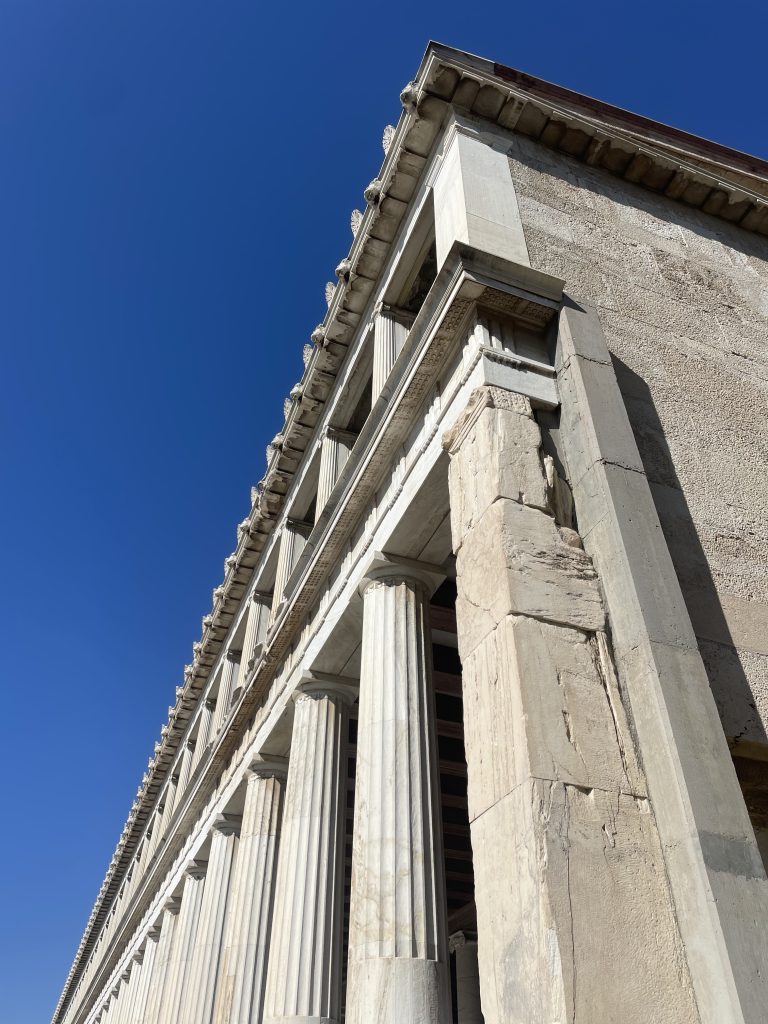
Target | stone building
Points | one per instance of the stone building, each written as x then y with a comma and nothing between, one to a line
478,715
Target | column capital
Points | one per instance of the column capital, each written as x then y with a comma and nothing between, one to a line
339,434
265,767
172,905
318,684
227,824
196,869
138,956
391,569
154,931
461,939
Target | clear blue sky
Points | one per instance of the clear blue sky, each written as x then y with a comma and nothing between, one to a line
176,180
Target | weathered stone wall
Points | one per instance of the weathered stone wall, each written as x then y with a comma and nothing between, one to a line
683,300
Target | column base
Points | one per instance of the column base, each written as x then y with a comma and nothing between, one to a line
398,990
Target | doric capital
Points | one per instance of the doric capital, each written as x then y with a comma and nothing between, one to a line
228,824
267,766
389,570
173,905
461,939
315,685
196,869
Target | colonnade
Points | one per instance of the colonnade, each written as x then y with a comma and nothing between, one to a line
255,935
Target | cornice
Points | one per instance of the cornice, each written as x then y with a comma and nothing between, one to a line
717,180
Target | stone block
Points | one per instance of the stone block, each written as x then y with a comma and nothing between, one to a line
582,928
542,700
499,458
515,561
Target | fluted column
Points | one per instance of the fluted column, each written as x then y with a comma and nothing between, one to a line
255,630
292,542
183,944
390,330
463,945
185,769
226,687
240,999
304,972
201,986
169,802
122,997
148,969
132,987
398,953
204,730
158,982
334,452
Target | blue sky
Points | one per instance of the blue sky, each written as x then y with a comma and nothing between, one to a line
176,180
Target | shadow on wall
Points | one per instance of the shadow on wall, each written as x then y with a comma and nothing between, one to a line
729,683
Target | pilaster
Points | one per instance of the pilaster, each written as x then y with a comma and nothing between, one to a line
304,971
398,954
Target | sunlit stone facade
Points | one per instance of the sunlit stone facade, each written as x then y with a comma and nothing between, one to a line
476,726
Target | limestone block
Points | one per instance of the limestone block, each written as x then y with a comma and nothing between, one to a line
499,458
542,700
572,918
515,561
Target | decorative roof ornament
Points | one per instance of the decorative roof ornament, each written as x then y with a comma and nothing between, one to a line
409,97
256,493
207,623
179,691
197,648
287,404
297,392
372,193
318,336
242,529
343,270
306,355
386,139
330,288
218,592
355,220
230,562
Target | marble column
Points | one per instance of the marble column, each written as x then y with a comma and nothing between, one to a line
201,987
398,952
203,737
158,981
304,971
122,997
334,452
255,630
169,802
292,542
183,944
185,769
390,329
229,670
240,998
132,988
148,969
463,945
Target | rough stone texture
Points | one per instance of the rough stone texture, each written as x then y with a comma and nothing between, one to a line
683,300
575,918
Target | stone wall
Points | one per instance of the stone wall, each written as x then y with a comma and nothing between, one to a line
683,300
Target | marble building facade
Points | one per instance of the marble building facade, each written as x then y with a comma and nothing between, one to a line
476,726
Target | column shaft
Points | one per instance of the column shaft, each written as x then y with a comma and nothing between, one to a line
255,631
292,543
183,946
142,996
334,452
229,671
240,999
389,334
201,986
398,954
157,984
204,731
304,972
464,949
